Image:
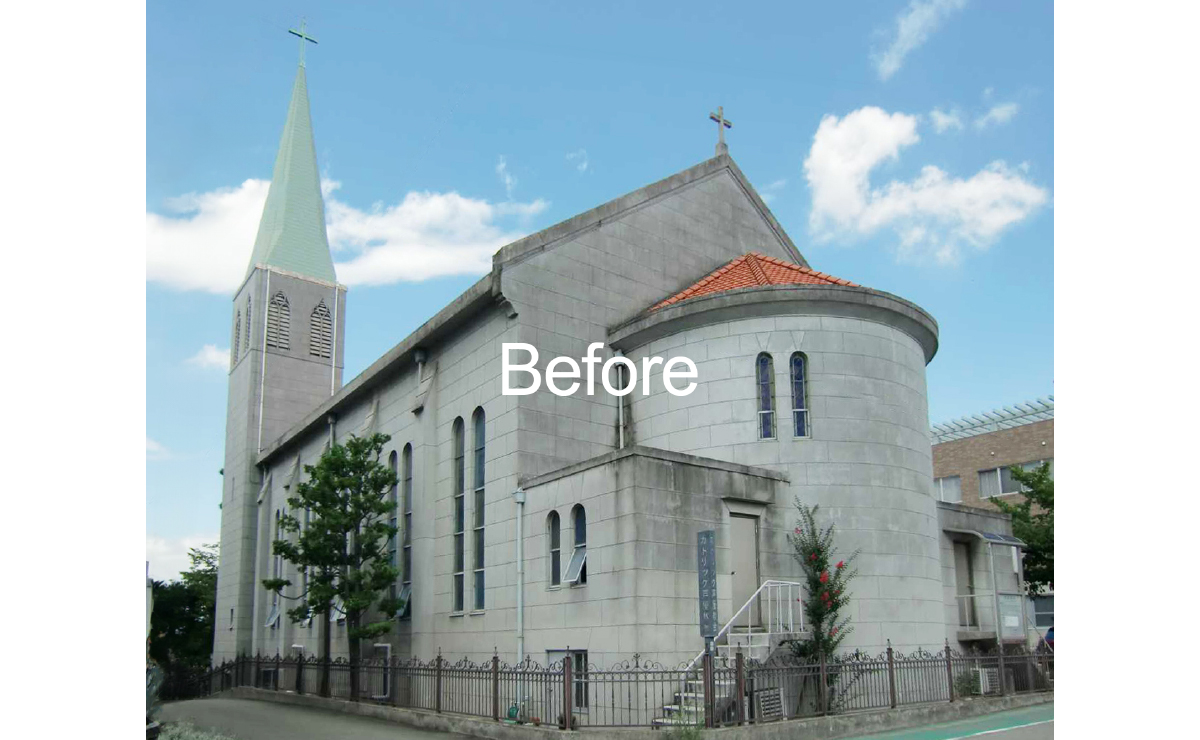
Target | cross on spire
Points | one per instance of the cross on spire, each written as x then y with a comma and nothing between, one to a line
722,124
303,37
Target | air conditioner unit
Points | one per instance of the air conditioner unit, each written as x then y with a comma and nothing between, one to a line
989,680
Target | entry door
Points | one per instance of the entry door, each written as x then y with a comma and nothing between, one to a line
743,549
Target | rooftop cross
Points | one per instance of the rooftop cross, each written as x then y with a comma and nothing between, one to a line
722,124
303,37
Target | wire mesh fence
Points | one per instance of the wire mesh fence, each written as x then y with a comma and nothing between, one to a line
641,693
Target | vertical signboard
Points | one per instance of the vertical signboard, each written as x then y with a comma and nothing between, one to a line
706,568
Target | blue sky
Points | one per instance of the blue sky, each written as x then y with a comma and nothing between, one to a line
907,146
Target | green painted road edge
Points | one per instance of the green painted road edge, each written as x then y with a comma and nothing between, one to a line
964,728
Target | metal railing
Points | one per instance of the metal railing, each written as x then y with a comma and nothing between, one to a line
637,693
780,598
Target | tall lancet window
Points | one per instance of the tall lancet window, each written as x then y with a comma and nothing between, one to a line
249,323
800,420
406,570
459,512
320,332
237,338
393,499
477,420
279,322
765,374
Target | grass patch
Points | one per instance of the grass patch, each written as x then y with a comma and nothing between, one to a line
188,731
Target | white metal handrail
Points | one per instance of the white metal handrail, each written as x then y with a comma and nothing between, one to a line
777,594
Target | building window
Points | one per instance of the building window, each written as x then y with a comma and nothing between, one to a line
579,673
393,499
1043,610
552,529
765,369
800,420
459,513
1000,482
237,339
279,323
407,482
948,489
577,568
320,332
249,323
479,424
276,572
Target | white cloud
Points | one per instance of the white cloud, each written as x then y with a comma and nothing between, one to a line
209,357
206,243
582,157
155,451
769,192
943,122
913,27
934,213
168,558
998,114
506,177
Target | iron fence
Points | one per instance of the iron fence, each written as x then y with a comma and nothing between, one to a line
640,693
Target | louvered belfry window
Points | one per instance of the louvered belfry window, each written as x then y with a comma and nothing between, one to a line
249,323
237,338
320,338
279,323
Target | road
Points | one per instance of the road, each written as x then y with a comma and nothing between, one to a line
1029,723
246,719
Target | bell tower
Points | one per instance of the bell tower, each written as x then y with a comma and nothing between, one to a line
287,331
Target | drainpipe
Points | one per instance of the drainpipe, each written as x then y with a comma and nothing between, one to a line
519,497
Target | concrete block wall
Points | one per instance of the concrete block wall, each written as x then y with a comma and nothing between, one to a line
866,460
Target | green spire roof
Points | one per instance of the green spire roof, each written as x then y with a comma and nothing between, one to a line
291,235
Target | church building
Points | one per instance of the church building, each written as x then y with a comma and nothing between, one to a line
543,526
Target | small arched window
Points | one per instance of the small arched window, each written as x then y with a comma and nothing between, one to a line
764,369
459,512
800,420
320,332
237,338
249,323
554,533
577,569
279,322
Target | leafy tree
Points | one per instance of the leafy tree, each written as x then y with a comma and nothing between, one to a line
181,625
826,584
343,546
1033,522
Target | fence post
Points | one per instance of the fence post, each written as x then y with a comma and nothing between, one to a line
740,704
891,677
949,671
438,683
277,674
300,674
495,685
257,670
1000,666
395,669
822,695
1028,670
707,681
568,710
326,689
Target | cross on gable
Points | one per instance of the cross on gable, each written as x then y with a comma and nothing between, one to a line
722,124
303,37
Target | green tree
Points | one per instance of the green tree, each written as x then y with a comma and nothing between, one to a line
342,549
826,583
181,625
1033,522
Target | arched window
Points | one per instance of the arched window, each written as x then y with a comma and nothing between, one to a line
249,323
577,568
555,534
406,481
279,323
459,513
393,519
765,378
800,421
276,572
479,424
237,338
320,332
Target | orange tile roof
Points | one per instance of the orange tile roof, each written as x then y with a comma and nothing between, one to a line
751,270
